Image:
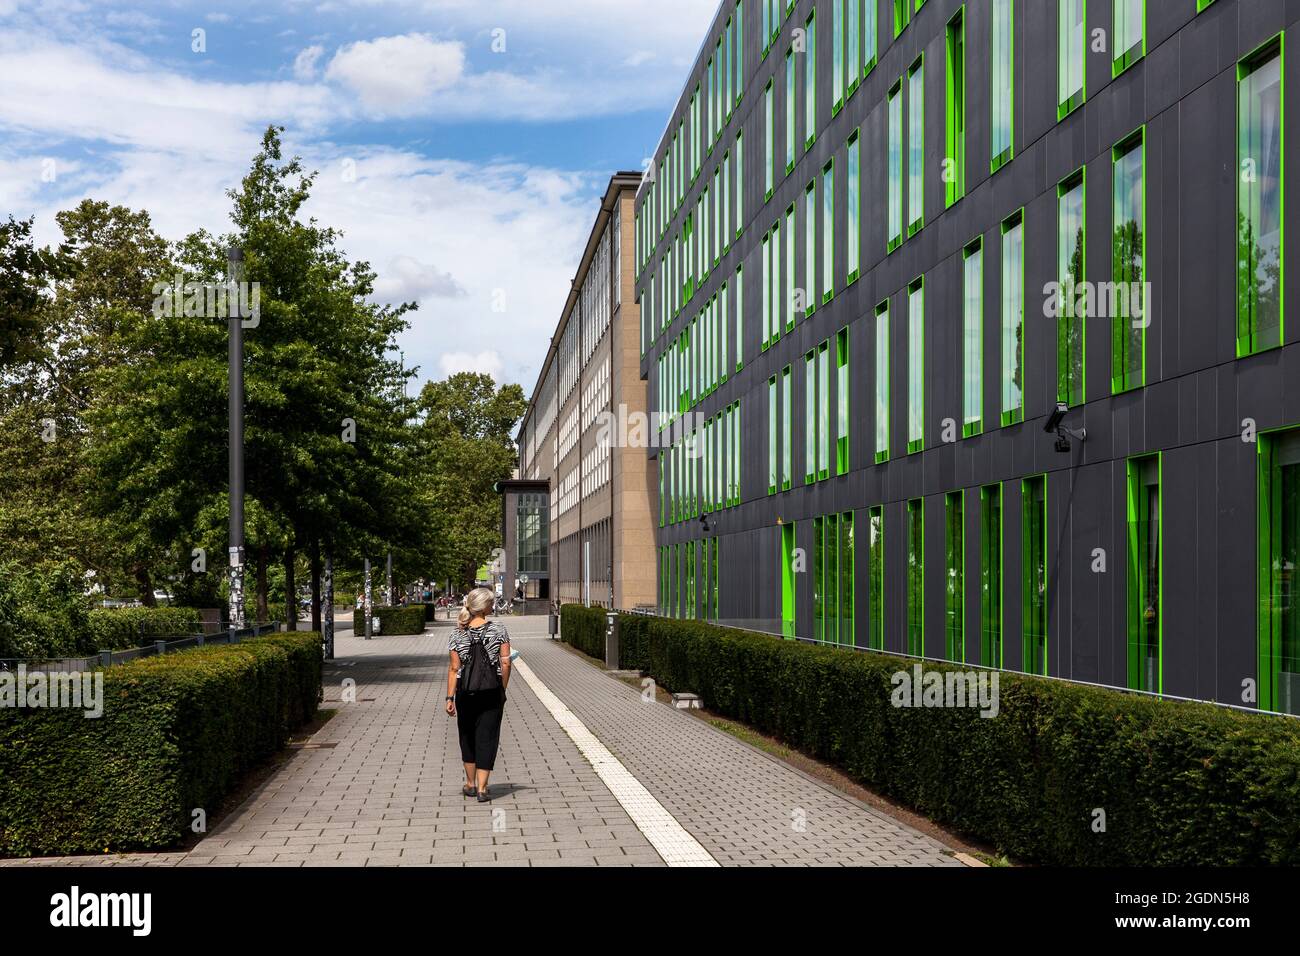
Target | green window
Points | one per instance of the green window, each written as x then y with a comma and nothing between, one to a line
1004,97
1128,300
787,299
842,402
916,577
895,119
870,35
1145,560
810,417
954,578
991,576
692,610
789,111
787,404
767,292
1279,556
824,424
1070,329
882,382
853,200
902,14
916,147
787,580
837,55
1013,319
954,175
876,578
853,49
740,317
1259,200
1130,39
771,435
844,563
740,183
1071,55
1202,4
823,629
738,45
769,117
916,366
1034,571
810,248
775,316
828,232
810,84
972,318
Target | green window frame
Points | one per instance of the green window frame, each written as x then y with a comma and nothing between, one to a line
1072,57
1013,319
991,651
810,84
842,401
1129,31
1260,199
853,200
1034,574
1279,556
870,35
788,608
838,30
853,47
845,565
1071,259
916,577
876,578
740,183
740,317
1128,260
766,251
973,338
821,629
810,416
787,448
882,382
1202,4
954,577
788,296
769,114
772,412
790,102
916,365
916,147
828,231
1002,48
955,108
810,248
1145,574
902,15
825,425
775,317
738,46
895,165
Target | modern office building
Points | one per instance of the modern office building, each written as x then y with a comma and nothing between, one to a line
601,498
882,242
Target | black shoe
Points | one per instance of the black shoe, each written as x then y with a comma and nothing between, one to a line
468,791
483,796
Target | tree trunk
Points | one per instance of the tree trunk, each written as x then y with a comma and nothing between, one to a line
315,585
146,586
290,589
263,610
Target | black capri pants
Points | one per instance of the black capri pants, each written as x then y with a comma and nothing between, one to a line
478,719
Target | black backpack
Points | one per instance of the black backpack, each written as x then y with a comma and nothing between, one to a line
477,671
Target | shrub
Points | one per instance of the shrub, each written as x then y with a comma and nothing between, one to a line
176,733
121,627
42,610
1180,783
405,619
584,628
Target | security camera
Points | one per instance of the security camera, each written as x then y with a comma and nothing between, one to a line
1057,418
1056,423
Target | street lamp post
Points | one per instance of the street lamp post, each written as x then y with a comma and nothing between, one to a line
235,407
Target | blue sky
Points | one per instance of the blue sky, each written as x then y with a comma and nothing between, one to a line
462,145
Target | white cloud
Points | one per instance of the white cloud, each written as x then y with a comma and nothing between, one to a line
406,279
484,362
304,64
397,75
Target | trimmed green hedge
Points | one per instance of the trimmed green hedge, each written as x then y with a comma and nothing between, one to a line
1179,783
404,619
176,733
584,628
122,627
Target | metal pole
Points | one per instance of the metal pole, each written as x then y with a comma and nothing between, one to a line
235,408
390,602
328,610
365,599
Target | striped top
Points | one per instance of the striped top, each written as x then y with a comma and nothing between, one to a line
493,636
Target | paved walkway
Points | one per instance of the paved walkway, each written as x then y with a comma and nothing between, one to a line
589,773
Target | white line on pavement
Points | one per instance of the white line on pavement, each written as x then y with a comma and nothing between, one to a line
669,838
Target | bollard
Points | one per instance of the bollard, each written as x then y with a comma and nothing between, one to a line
611,640
106,658
554,625
199,641
160,647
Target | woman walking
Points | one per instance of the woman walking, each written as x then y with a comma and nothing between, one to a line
476,687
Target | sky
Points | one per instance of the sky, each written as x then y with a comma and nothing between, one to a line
462,146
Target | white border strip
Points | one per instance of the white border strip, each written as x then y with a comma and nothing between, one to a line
669,838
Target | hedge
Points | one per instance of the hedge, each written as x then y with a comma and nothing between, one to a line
122,627
404,619
1179,783
176,734
584,628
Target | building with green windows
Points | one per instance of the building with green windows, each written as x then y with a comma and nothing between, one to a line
884,243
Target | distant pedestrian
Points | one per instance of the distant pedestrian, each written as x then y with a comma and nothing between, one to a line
476,687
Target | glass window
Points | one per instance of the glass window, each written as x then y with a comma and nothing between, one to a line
1013,320
876,578
828,232
1034,570
954,578
1279,556
842,402
740,183
810,248
916,366
787,404
916,147
810,417
740,318
853,52
768,173
916,577
738,45
821,526
991,576
870,35
844,562
1259,201
973,339
1144,566
788,298
771,435
954,173
810,84
1070,267
1071,53
837,55
1130,42
787,580
767,292
825,425
895,215
1128,301
789,111
882,381
1003,61
902,14
853,199
776,281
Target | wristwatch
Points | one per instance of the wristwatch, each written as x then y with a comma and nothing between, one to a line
449,697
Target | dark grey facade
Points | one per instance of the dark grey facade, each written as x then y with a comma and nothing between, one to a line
1195,409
